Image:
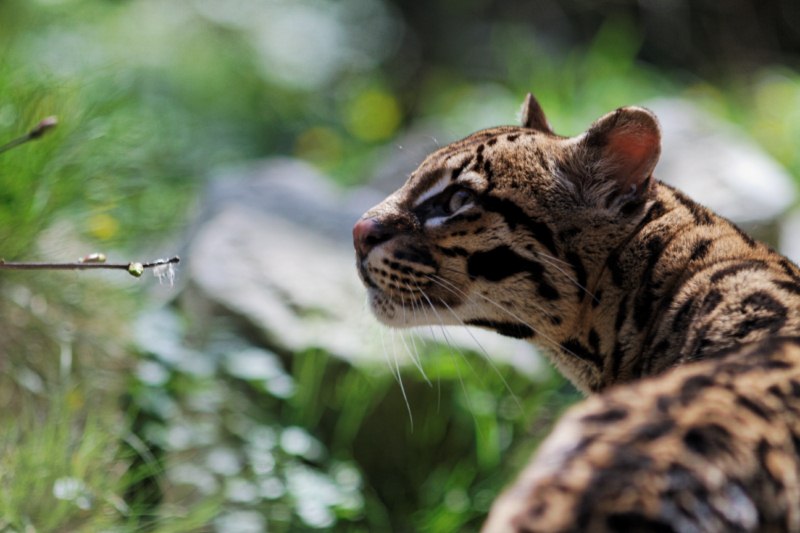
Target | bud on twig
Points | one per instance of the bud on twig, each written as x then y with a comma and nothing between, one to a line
40,129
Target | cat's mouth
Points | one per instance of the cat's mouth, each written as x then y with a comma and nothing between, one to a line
363,274
403,293
405,281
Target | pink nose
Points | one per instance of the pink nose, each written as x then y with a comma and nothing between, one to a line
367,234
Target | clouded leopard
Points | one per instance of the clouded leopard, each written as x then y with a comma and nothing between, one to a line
677,323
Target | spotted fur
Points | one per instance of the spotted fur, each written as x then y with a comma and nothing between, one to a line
570,243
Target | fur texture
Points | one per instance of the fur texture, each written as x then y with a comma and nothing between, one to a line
570,243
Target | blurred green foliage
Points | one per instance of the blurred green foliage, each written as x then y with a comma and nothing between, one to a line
305,440
109,433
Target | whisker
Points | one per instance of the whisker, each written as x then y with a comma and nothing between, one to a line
386,352
449,285
551,257
433,336
414,355
550,260
485,353
400,381
441,282
451,351
544,311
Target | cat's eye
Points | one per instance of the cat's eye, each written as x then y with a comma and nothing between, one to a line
459,199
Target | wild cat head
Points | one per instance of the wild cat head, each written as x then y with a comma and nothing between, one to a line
495,230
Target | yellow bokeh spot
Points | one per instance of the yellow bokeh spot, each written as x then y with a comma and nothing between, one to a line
373,115
103,226
75,399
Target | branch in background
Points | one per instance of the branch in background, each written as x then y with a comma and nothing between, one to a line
162,268
40,129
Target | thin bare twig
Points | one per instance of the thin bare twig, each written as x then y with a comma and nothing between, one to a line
92,261
40,129
133,268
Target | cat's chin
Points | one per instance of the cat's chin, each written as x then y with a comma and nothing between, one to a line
385,309
399,315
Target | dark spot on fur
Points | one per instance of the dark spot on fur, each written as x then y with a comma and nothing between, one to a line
758,303
775,391
701,346
508,329
762,449
790,269
735,269
487,170
776,364
514,216
580,273
567,234
618,274
537,510
755,407
633,522
633,207
622,314
680,323
457,172
598,297
513,137
748,240
701,215
789,286
708,439
547,291
499,263
661,348
604,417
663,403
710,302
614,266
502,262
643,308
617,355
656,211
655,430
763,300
693,386
594,341
454,251
575,348
700,250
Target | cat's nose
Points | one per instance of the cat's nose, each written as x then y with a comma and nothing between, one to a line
369,233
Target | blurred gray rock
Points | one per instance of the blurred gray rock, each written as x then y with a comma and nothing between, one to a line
273,246
719,165
291,190
789,243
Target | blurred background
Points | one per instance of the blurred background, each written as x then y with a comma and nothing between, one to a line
256,393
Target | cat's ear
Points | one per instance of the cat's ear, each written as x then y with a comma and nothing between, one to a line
533,115
623,146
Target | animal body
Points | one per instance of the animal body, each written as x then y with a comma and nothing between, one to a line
677,324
